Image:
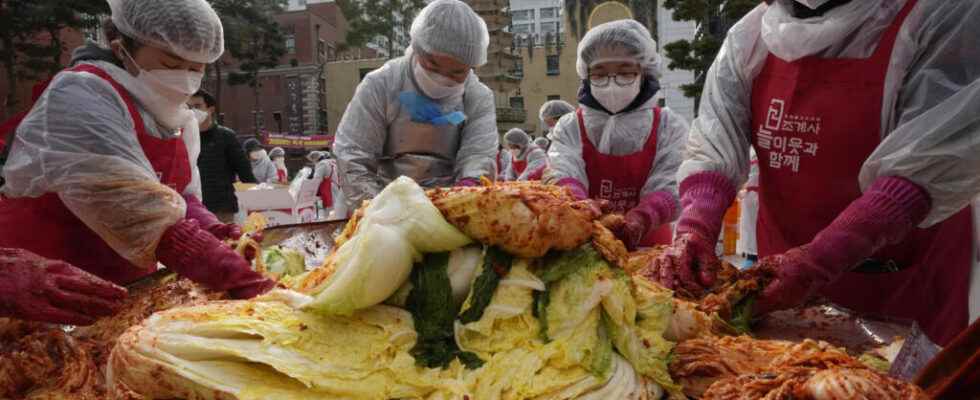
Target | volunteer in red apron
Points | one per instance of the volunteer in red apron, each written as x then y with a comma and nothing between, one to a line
551,112
619,146
864,118
102,172
526,162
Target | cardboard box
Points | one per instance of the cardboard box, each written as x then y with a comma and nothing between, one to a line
282,205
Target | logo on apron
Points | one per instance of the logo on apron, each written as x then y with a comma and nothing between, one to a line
779,135
620,198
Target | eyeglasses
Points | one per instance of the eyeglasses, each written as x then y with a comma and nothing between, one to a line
621,79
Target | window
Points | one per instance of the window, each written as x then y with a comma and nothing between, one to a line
323,119
549,12
523,28
221,118
365,71
554,97
517,103
522,15
290,43
549,27
553,66
518,70
321,50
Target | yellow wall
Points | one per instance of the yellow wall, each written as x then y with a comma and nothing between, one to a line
538,85
342,80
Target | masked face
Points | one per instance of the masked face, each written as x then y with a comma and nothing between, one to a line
614,97
435,85
175,85
255,155
280,162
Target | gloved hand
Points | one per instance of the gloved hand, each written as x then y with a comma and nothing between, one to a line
886,212
577,188
468,182
37,289
653,210
209,222
202,258
690,264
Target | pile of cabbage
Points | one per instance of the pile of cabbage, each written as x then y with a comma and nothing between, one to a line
413,309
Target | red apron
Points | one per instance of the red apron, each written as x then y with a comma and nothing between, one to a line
49,229
281,175
817,122
518,165
325,191
620,179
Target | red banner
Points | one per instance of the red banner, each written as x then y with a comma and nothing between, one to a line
297,142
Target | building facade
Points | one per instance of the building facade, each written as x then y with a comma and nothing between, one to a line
669,31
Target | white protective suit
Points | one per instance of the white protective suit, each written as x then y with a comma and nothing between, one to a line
264,169
536,159
930,119
79,141
327,168
375,113
619,135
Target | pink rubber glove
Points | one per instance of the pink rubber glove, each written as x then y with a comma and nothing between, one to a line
209,222
577,188
468,182
890,209
202,258
37,289
653,210
691,263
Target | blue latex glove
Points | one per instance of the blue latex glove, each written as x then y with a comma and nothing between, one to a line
426,111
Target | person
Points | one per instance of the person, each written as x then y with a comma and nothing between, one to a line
278,156
262,166
34,288
863,115
526,162
103,170
619,146
221,160
749,214
329,191
425,115
543,143
552,111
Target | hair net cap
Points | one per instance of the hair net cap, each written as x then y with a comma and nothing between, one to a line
617,41
188,28
542,142
277,152
452,28
252,145
517,137
556,109
315,156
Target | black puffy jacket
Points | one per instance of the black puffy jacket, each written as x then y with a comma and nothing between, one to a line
222,159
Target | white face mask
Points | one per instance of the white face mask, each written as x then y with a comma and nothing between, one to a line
812,4
172,84
616,98
435,85
280,163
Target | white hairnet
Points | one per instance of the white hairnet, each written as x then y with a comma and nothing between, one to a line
315,156
452,28
517,137
623,40
277,152
929,124
541,142
555,109
188,28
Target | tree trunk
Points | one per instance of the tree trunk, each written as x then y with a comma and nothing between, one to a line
217,90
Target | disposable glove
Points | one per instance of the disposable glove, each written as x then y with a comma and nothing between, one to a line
468,182
889,209
577,188
37,289
690,263
653,210
202,258
209,222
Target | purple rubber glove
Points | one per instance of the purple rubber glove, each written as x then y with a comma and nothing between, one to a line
690,264
890,209
37,289
202,258
206,219
468,182
577,188
653,210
